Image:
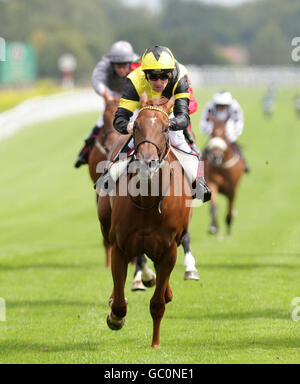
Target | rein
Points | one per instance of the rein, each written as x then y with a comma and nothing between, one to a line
161,155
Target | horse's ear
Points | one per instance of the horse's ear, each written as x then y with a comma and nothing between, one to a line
143,100
170,103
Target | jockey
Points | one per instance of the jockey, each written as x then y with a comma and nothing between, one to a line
109,75
224,108
193,107
159,76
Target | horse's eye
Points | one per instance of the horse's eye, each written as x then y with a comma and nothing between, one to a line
166,129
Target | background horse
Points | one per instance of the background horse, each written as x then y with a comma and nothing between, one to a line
104,143
223,170
154,225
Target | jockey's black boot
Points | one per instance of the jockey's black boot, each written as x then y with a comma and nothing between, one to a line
83,156
202,191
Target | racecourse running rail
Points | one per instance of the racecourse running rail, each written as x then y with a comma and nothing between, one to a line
47,108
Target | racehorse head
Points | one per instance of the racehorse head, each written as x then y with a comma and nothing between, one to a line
109,134
218,144
151,133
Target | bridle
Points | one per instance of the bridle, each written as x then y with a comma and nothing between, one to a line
162,153
166,146
227,164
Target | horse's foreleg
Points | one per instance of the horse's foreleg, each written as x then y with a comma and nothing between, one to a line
213,229
138,284
107,247
191,272
119,265
168,294
162,292
229,216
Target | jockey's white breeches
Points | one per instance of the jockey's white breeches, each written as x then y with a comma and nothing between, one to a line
178,141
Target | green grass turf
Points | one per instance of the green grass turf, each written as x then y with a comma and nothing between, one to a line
56,287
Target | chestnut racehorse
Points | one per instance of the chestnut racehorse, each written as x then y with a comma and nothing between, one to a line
154,225
223,170
103,145
108,139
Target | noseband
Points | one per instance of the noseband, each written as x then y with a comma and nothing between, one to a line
161,158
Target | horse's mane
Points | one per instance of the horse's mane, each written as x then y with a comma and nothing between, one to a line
110,105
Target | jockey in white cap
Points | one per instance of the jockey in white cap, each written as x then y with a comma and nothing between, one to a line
224,107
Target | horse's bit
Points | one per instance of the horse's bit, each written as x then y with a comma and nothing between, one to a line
161,155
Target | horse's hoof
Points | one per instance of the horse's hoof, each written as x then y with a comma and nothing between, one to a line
138,286
148,277
212,230
191,275
115,323
155,346
149,283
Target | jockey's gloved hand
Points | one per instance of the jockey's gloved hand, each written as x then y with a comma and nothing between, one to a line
172,124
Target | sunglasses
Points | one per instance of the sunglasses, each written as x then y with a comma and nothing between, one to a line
162,76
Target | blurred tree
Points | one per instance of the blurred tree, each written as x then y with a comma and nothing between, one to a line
192,29
269,46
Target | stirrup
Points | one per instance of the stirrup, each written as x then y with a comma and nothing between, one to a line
202,192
